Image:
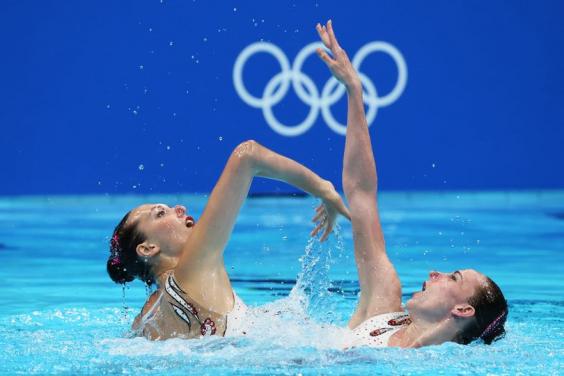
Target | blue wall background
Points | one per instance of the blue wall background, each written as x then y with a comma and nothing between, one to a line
91,90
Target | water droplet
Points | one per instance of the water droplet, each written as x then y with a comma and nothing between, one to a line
141,167
135,112
205,39
171,43
234,9
220,138
168,147
107,106
433,165
141,67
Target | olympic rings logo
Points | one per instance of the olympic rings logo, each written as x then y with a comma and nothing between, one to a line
278,86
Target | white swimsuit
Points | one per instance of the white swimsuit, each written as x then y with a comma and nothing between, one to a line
175,314
236,318
377,330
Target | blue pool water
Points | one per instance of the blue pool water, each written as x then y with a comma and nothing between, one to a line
60,313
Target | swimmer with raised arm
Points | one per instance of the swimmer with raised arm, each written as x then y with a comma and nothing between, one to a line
461,306
164,245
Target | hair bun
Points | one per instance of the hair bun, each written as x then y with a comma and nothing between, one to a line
118,272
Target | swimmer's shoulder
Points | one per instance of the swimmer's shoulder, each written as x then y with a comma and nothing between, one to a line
149,304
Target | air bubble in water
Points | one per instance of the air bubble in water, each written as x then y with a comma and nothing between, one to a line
141,167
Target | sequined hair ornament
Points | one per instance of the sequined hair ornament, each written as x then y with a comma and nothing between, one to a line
493,326
115,250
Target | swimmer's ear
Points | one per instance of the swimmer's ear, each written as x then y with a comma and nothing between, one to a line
146,249
463,310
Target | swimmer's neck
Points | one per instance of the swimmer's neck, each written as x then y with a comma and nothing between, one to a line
161,278
164,266
423,333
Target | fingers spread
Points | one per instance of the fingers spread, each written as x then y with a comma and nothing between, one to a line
324,56
327,232
319,216
323,35
334,44
316,230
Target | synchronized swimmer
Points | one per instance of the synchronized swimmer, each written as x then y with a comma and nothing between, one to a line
163,245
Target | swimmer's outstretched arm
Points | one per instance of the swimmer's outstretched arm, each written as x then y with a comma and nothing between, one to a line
203,253
379,283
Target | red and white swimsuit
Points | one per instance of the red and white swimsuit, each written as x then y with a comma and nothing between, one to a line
377,330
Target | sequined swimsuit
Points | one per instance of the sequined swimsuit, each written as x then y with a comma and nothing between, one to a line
377,330
176,315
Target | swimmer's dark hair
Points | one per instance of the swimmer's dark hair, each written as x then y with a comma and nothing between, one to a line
490,315
124,264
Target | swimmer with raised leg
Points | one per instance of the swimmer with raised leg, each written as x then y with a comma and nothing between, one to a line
164,245
461,306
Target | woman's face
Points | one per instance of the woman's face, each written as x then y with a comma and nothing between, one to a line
444,292
166,227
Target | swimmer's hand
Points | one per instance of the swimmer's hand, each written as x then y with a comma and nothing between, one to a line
327,212
339,64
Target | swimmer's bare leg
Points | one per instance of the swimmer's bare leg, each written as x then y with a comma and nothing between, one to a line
379,283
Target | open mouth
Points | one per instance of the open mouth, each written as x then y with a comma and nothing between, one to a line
190,222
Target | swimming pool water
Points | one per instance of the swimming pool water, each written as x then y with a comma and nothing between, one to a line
61,314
